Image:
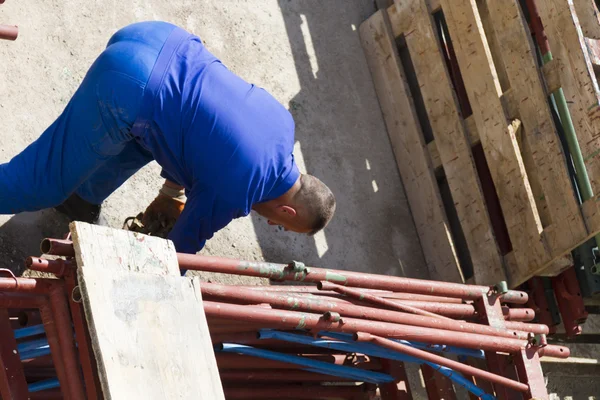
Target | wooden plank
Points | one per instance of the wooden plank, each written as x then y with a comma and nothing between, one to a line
409,148
121,250
451,139
497,136
577,79
150,335
551,73
587,13
525,80
147,324
472,134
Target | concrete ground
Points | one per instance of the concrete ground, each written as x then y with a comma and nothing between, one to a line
307,53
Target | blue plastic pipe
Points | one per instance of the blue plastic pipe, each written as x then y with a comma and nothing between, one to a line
43,385
372,350
32,345
29,331
39,352
320,367
438,348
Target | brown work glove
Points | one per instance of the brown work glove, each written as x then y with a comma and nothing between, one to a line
160,216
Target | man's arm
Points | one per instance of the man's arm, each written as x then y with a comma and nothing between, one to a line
203,215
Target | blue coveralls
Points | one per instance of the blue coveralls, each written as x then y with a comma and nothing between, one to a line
156,93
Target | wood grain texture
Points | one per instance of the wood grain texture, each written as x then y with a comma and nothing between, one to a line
587,13
450,136
149,335
409,148
527,89
117,249
577,78
497,137
472,134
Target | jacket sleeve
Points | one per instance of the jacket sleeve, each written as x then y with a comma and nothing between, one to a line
203,215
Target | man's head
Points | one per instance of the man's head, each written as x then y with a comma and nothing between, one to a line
306,208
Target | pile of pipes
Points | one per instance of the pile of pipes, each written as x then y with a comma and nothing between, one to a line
330,334
8,32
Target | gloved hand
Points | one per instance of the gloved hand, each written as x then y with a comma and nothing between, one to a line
160,216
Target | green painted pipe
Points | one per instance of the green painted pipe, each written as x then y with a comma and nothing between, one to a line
583,181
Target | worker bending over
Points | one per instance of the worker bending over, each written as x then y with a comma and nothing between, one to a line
156,93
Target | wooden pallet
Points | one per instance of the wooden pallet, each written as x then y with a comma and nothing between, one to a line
509,139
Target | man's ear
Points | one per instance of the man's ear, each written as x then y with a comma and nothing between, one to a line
287,210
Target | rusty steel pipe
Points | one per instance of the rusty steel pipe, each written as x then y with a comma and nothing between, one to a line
518,314
302,320
10,300
526,327
282,301
424,355
371,298
30,286
346,278
295,392
56,267
381,293
457,311
57,247
67,349
9,32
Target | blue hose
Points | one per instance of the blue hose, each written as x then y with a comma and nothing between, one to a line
43,385
32,345
29,331
437,348
372,350
320,367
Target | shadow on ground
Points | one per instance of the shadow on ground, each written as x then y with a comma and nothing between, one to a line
21,235
344,143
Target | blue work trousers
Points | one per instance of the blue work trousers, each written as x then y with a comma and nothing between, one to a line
90,149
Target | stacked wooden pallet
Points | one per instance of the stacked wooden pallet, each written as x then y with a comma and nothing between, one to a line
481,124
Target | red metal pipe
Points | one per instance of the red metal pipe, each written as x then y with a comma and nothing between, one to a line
316,304
68,353
297,289
297,320
12,379
295,392
275,375
371,298
84,342
9,32
467,369
10,300
518,314
56,267
57,247
52,394
57,360
525,327
347,278
30,286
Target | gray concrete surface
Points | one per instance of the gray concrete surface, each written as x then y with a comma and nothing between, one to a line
305,52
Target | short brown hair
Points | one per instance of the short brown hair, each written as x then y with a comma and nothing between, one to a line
317,200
